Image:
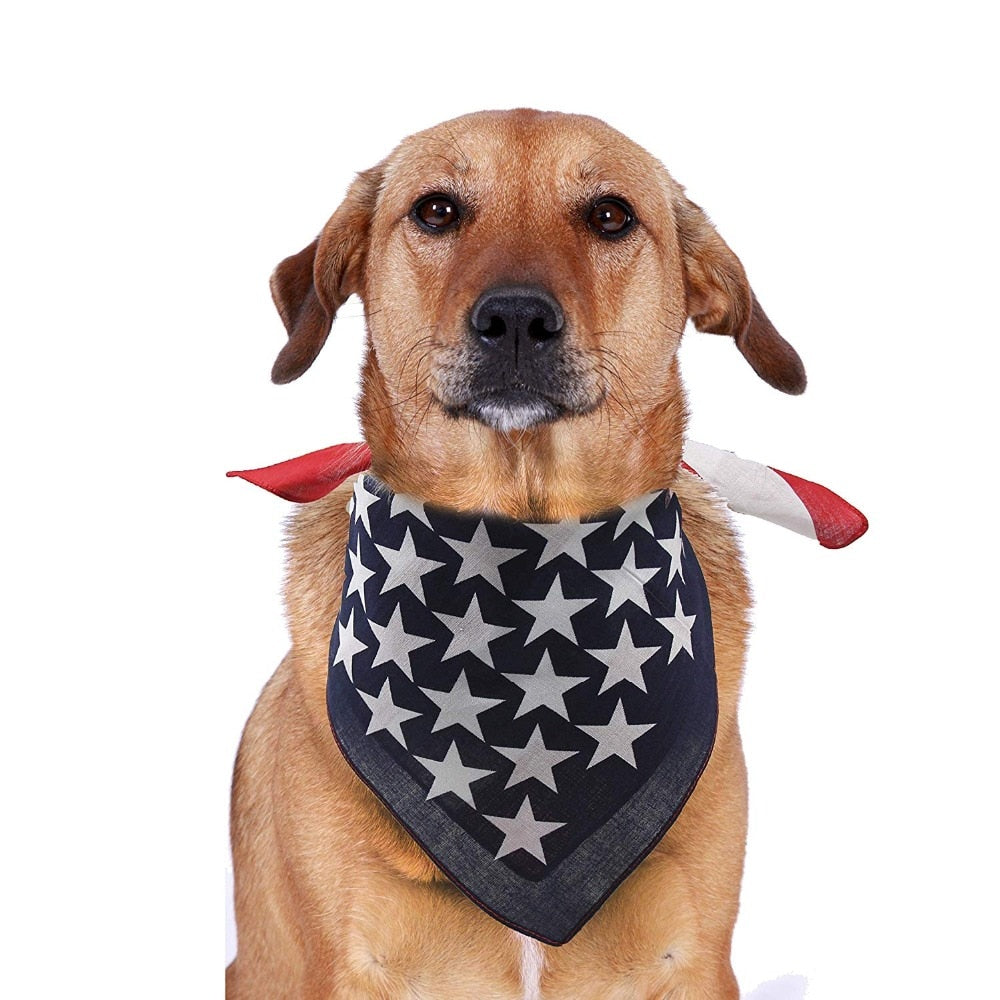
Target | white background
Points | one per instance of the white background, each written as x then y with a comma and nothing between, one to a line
160,159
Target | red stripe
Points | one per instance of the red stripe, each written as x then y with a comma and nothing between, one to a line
311,476
837,522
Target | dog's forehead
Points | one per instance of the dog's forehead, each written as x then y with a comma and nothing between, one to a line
522,150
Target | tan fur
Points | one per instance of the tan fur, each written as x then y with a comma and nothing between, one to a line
333,898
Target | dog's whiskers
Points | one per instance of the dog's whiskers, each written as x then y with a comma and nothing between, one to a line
624,399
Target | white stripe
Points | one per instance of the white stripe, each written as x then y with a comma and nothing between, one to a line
532,965
749,487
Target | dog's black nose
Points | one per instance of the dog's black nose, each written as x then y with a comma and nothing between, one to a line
510,316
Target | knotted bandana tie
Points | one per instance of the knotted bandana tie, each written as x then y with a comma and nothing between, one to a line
533,702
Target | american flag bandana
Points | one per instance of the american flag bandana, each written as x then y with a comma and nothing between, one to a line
533,702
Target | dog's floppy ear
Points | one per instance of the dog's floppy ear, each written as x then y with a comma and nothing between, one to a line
309,287
720,300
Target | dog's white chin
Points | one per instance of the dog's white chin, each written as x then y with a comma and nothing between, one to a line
517,416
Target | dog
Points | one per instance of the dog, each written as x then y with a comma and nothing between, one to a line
526,278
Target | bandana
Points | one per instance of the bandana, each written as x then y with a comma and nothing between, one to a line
804,507
533,702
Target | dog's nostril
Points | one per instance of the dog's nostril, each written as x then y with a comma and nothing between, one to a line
497,328
537,330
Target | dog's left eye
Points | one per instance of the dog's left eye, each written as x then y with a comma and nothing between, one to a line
611,217
434,213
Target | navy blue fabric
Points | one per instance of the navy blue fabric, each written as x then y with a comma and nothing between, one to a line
610,813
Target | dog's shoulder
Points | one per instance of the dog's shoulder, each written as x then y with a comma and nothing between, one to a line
315,543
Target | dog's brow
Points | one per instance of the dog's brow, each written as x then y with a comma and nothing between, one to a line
459,164
452,154
590,166
464,162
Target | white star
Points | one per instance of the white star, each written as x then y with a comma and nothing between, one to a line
470,633
534,760
363,499
406,568
674,547
564,538
544,688
400,502
348,644
554,612
460,707
451,775
523,832
360,574
395,643
628,582
615,739
635,512
680,628
386,714
481,557
624,662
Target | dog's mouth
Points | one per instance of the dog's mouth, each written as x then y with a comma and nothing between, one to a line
515,392
519,408
513,409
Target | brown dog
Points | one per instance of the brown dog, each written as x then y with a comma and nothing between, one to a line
333,898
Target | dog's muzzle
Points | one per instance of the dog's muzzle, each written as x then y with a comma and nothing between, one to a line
520,378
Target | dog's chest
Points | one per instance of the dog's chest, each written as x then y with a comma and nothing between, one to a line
438,944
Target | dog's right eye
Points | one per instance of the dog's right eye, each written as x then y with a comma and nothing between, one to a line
611,218
435,213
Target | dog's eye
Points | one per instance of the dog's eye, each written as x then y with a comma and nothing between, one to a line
435,213
611,217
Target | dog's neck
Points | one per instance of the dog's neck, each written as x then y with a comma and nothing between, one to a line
546,473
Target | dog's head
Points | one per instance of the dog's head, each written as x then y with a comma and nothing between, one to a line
526,278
